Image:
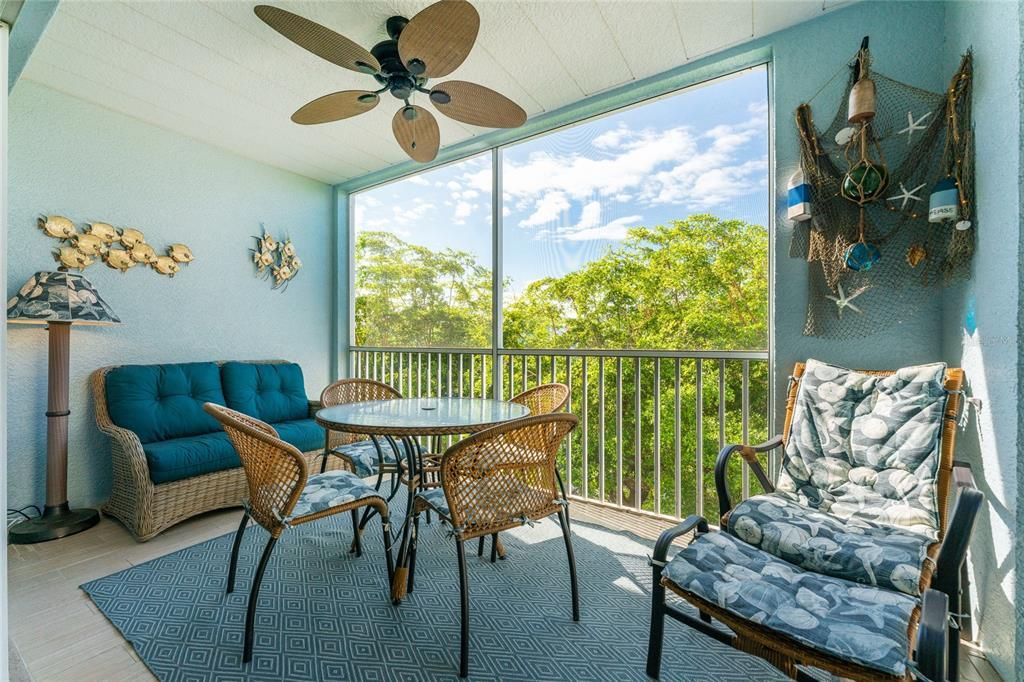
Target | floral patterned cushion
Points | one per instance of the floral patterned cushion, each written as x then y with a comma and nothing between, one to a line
867,447
866,625
854,550
363,457
330,489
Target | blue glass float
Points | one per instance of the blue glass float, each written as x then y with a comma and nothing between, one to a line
861,256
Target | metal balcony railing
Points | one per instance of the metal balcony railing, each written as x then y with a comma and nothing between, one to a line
651,422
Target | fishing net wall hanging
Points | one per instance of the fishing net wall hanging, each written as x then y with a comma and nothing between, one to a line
883,204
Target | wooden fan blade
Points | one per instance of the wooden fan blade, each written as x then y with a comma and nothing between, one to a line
417,133
336,106
476,105
439,38
320,40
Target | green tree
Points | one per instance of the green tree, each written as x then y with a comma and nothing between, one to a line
696,284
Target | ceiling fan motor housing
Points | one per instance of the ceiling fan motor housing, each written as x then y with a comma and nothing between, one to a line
393,72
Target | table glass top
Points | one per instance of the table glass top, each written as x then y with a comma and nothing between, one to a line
430,413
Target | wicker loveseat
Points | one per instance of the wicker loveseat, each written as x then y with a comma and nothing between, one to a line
170,459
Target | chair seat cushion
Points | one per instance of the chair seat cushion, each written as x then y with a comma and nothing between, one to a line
435,498
868,626
330,489
856,550
362,455
305,434
179,458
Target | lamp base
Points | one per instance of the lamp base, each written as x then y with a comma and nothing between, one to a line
56,522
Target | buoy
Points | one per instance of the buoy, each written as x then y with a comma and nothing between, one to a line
942,204
798,198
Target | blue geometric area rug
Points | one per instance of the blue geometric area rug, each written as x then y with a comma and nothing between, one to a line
325,614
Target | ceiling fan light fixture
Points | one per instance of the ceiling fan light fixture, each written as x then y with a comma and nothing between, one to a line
409,114
365,68
440,97
368,98
416,67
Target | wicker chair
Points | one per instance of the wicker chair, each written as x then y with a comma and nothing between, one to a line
500,478
282,495
543,399
146,508
364,456
856,619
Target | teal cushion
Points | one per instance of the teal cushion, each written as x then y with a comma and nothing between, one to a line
173,460
270,392
163,402
305,434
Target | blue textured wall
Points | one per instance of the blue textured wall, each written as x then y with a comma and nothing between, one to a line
73,158
990,356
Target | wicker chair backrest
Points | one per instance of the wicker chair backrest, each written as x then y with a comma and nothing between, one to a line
504,476
544,399
275,471
356,391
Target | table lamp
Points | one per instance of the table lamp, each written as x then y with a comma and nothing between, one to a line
58,300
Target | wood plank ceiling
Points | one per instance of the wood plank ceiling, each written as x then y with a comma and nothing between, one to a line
215,72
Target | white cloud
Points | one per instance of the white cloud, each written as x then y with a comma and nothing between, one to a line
453,186
463,209
418,180
614,230
590,216
697,170
547,209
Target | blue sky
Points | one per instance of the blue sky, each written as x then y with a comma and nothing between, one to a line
571,194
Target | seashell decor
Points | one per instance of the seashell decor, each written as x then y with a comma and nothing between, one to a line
275,259
121,249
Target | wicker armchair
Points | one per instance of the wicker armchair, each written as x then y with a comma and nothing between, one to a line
147,508
847,555
281,494
499,478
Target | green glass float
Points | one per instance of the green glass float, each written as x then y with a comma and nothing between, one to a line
865,182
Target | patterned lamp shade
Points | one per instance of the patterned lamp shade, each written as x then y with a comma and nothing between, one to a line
59,297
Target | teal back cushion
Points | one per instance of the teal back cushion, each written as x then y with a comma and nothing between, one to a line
161,402
270,392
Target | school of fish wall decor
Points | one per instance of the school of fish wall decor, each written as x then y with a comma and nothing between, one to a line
275,259
120,248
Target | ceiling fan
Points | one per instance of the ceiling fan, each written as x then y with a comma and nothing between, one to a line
430,45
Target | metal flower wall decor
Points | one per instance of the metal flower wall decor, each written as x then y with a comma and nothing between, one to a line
121,249
276,259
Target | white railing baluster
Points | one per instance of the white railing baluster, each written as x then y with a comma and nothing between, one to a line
638,493
699,469
618,431
657,435
585,444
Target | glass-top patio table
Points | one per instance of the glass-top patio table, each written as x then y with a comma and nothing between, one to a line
408,419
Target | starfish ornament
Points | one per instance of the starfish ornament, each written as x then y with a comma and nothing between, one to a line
843,301
907,195
913,126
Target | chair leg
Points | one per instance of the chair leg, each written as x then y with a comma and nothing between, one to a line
563,518
413,550
254,595
460,547
357,541
657,635
494,547
327,451
234,551
480,546
561,486
385,524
